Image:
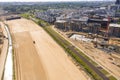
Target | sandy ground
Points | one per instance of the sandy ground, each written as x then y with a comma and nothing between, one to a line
102,58
44,60
3,53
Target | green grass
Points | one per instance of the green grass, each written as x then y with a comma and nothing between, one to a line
112,78
95,64
2,76
14,78
25,15
104,71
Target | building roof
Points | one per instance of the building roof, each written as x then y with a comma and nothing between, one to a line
81,19
61,21
105,19
114,25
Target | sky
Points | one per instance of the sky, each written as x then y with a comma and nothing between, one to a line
45,0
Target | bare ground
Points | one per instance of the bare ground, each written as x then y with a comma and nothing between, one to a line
3,53
44,60
108,62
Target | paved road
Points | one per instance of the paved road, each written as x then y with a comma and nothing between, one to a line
8,72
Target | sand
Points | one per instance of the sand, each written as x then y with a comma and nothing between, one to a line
99,56
44,60
3,53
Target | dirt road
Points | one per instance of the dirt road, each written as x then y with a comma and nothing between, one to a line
3,53
44,60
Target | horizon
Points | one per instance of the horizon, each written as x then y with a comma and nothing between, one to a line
53,0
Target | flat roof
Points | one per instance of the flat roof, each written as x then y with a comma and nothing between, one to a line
114,25
61,21
82,19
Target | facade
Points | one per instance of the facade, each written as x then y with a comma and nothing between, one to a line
114,30
78,26
61,24
103,22
94,28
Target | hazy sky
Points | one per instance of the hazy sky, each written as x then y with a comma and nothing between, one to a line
44,0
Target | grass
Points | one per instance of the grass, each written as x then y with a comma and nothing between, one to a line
87,57
14,78
112,78
104,71
2,76
25,15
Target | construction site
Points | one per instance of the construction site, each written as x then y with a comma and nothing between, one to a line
36,54
47,60
104,37
99,43
65,41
